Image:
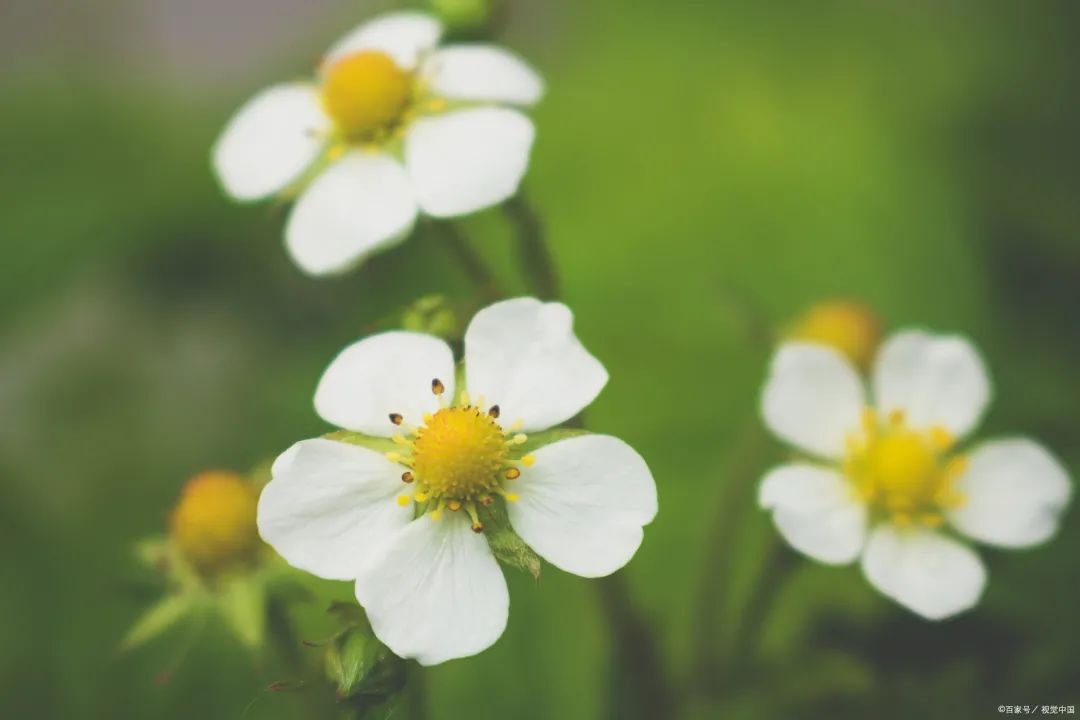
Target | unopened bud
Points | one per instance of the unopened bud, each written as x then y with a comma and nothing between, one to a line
213,523
847,326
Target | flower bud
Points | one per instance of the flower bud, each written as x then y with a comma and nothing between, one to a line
848,326
213,524
466,17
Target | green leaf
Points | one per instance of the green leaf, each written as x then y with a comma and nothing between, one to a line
507,545
159,618
242,604
361,665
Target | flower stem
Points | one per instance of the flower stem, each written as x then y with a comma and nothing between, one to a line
533,249
639,685
713,599
776,569
474,267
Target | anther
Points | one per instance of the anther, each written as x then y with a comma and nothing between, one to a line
477,526
513,473
454,505
400,439
519,439
528,460
486,500
393,457
493,411
396,418
402,500
407,477
437,387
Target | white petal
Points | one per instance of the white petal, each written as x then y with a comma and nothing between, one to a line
934,379
924,571
482,73
357,206
812,398
435,592
522,354
583,504
329,504
1015,492
383,374
467,160
816,511
270,141
404,36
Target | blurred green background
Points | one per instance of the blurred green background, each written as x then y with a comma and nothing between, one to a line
922,157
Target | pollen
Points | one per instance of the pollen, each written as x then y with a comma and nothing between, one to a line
366,93
907,475
213,524
460,457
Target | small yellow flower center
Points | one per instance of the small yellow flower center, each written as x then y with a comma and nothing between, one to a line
459,459
849,327
459,452
905,474
213,523
365,93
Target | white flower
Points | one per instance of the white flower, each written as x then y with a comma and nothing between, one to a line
392,126
887,482
406,524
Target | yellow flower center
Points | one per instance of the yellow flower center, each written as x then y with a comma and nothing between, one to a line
849,327
905,474
365,93
213,524
460,458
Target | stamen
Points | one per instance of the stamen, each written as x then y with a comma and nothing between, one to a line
477,526
463,397
519,439
454,505
486,500
421,495
437,387
407,477
528,460
396,418
403,500
513,473
493,411
401,440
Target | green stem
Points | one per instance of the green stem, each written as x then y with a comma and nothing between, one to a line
713,606
639,684
471,263
777,567
533,249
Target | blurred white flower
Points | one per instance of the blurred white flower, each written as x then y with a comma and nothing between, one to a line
887,482
406,524
393,125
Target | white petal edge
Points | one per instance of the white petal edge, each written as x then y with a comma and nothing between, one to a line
936,380
816,511
925,571
270,141
434,592
359,205
328,505
404,36
813,398
583,504
467,160
1015,492
482,73
522,355
386,373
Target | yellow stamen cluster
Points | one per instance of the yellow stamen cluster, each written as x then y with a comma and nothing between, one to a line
459,459
905,474
366,94
213,524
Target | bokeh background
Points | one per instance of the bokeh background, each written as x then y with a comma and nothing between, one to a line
696,161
